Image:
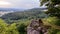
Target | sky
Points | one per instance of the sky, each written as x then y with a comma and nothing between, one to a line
26,4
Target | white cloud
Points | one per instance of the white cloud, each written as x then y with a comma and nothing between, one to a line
22,3
5,4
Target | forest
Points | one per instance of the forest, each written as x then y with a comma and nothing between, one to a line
17,22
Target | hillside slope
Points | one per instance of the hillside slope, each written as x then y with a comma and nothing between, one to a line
27,14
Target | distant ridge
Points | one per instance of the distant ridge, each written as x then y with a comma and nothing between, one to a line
4,11
25,14
11,9
20,9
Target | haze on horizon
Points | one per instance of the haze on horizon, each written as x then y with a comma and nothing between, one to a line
24,4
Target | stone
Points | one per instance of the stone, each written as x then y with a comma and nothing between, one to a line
35,28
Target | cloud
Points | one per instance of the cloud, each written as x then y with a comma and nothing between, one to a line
4,4
23,3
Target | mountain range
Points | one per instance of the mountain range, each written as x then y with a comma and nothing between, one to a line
18,9
10,17
10,10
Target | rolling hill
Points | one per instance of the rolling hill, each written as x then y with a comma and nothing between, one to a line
26,14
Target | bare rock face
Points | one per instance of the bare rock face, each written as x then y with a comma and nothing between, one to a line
35,28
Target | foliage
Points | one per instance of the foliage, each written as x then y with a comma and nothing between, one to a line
53,7
21,28
53,31
54,14
26,14
54,21
14,28
58,32
2,27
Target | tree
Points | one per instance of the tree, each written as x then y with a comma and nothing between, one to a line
53,7
3,27
54,14
21,29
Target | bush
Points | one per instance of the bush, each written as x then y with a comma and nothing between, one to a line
54,20
58,32
53,31
21,29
